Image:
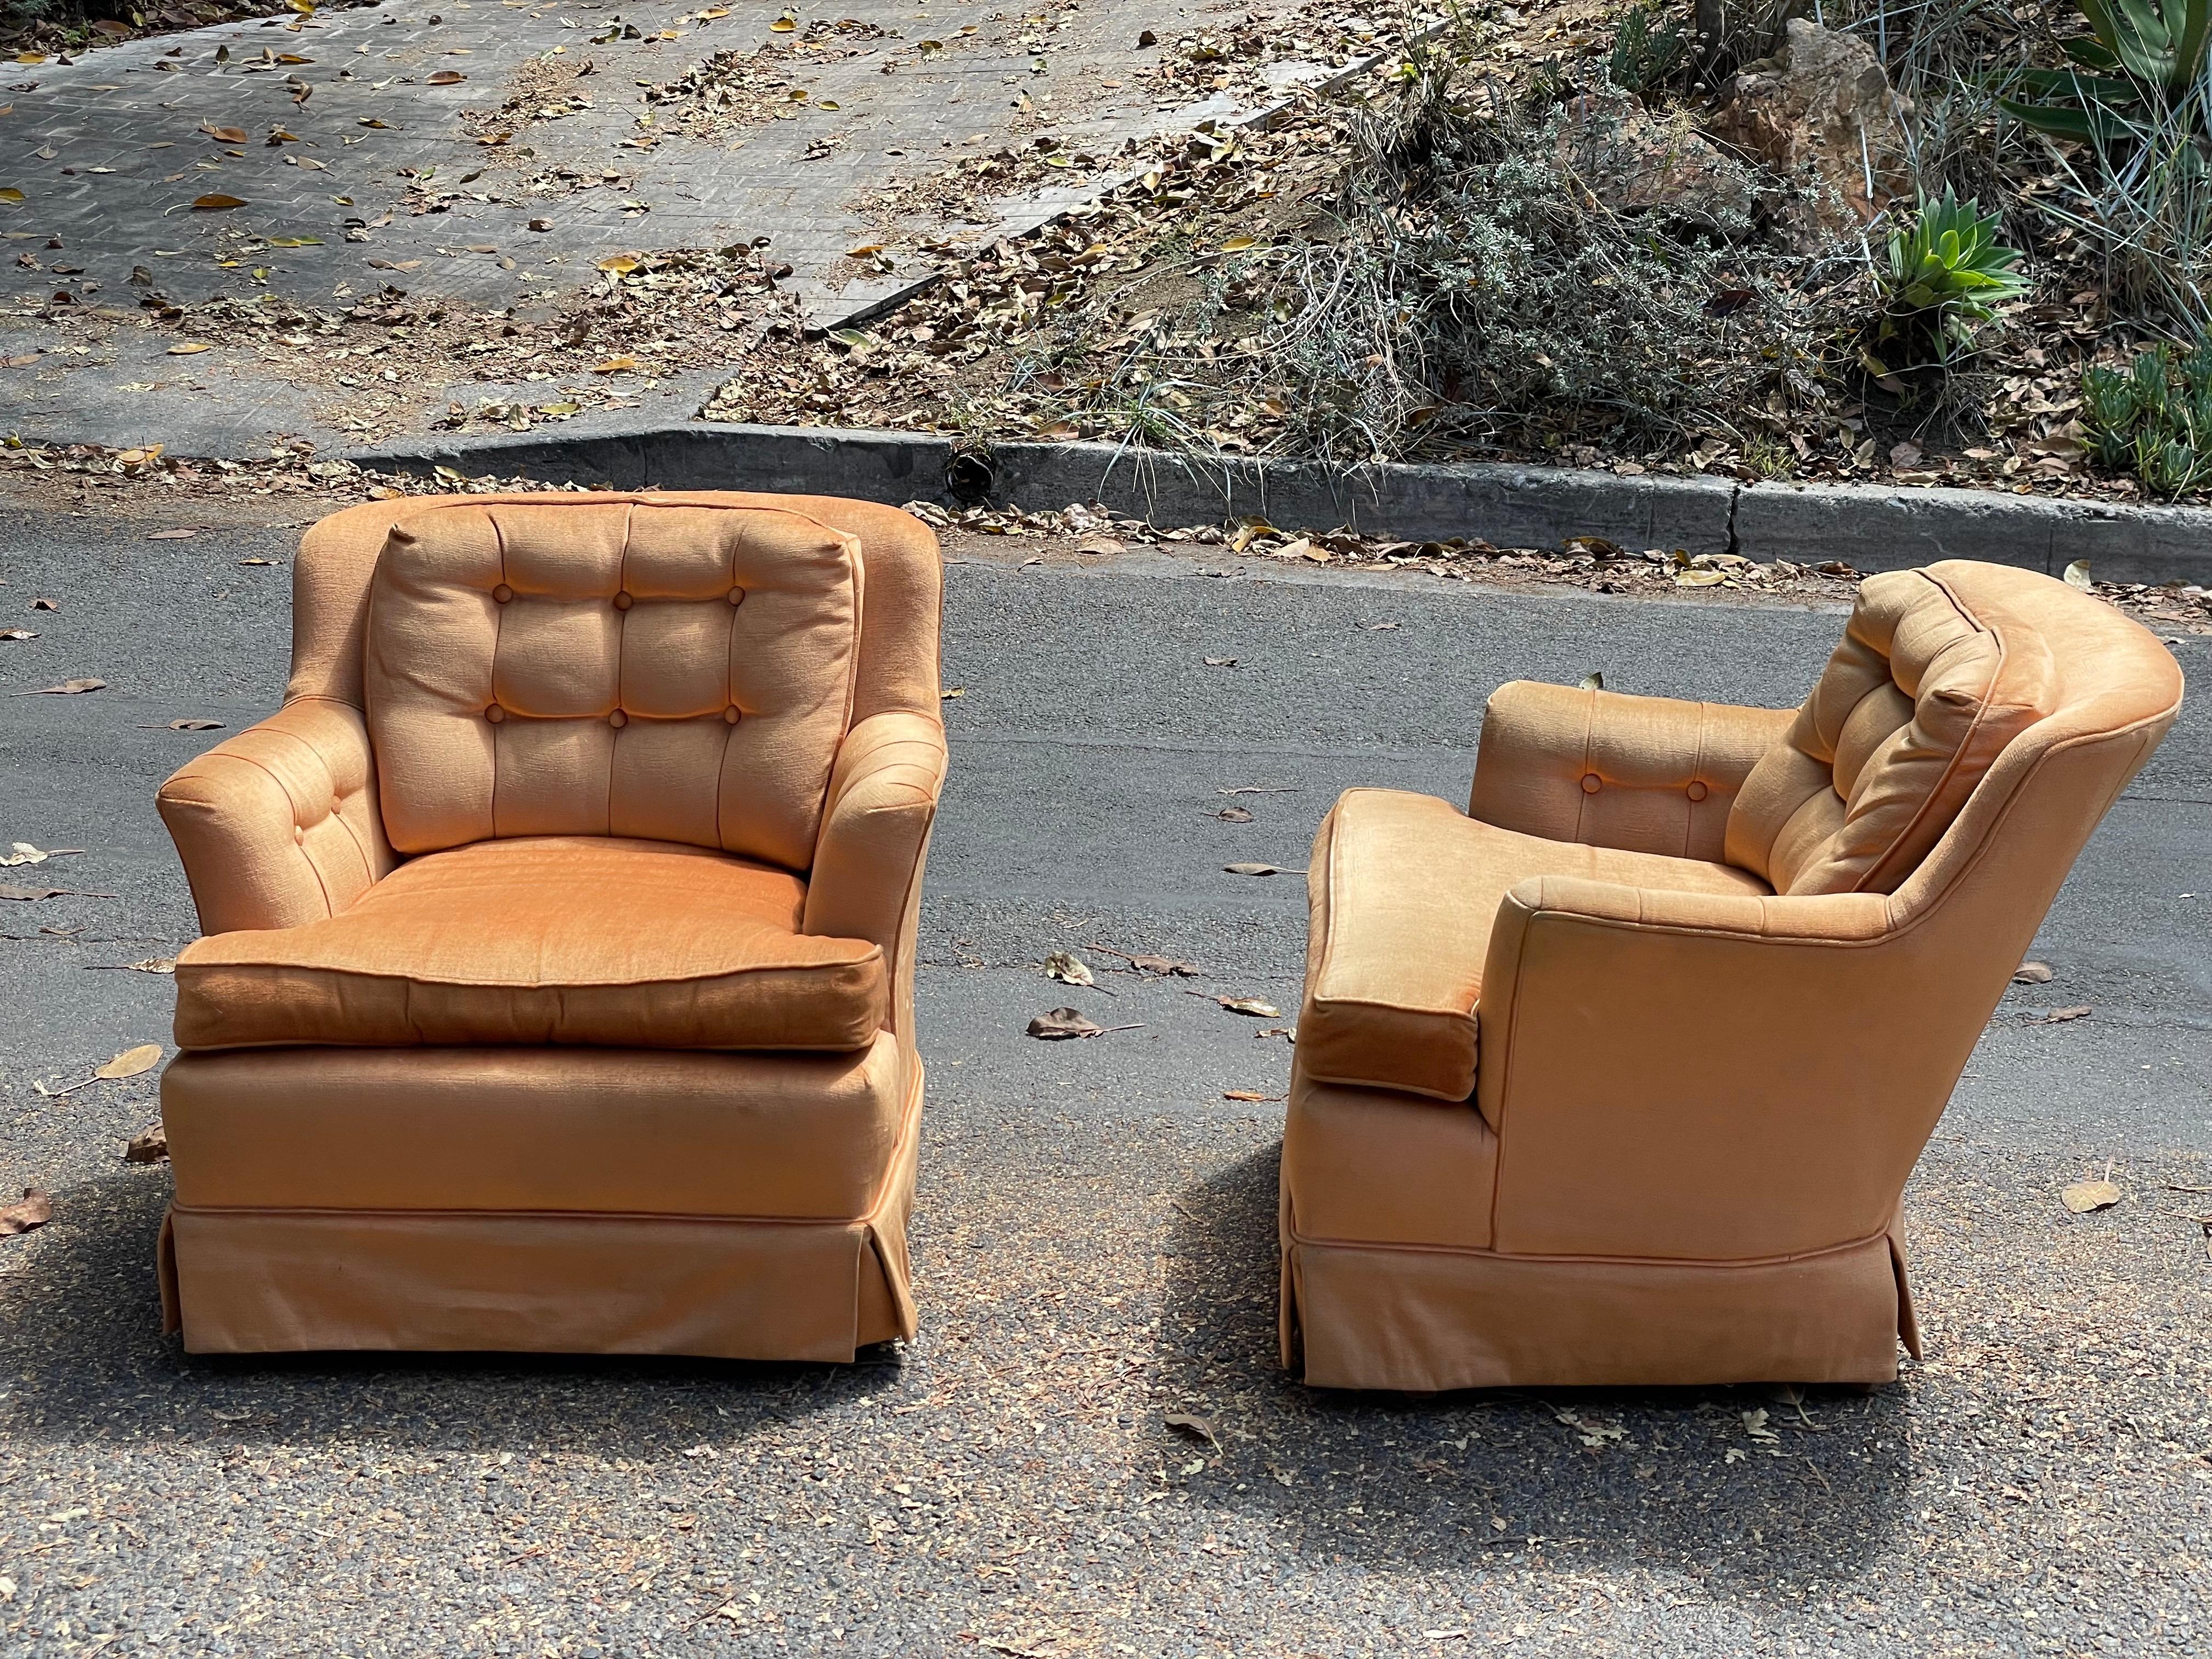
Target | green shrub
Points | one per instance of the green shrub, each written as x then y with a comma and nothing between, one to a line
2154,419
1948,274
2143,64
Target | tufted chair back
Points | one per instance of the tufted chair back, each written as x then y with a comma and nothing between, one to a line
674,672
1914,707
672,666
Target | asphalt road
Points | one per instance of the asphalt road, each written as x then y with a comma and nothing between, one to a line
1094,1239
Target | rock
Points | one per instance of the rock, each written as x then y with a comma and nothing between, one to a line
1823,103
1636,163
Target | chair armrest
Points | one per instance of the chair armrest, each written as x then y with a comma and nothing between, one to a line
1711,1077
875,830
279,825
1645,774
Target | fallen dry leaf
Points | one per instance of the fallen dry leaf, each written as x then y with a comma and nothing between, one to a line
131,1062
1151,964
1067,966
148,1146
17,634
66,689
33,894
2077,576
2060,1016
151,965
193,723
2032,972
1232,815
1062,1023
448,78
227,134
23,852
173,535
215,202
1593,682
1194,1425
1251,1005
2084,1196
1247,1094
1258,870
35,1211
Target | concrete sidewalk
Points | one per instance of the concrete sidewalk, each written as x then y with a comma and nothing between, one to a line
487,153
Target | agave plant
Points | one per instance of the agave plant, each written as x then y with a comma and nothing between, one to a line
2145,59
1948,274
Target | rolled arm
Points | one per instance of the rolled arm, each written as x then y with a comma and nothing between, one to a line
1645,774
875,829
279,825
1708,1077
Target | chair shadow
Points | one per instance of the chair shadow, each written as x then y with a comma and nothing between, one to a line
81,1347
1668,1478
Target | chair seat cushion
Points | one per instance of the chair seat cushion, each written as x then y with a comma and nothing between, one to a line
1403,891
550,939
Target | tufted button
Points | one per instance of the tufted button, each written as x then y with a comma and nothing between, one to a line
1697,790
618,719
623,602
737,595
502,592
731,716
1592,783
495,714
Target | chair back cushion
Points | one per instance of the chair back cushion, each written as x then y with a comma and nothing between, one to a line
671,672
1914,707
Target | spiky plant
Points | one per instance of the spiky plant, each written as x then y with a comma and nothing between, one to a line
1949,271
2142,61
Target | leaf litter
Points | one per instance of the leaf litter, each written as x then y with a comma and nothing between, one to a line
35,1210
1064,1024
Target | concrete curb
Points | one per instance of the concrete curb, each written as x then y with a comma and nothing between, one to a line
1870,526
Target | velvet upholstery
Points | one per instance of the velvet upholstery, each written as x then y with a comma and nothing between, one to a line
1603,1083
557,991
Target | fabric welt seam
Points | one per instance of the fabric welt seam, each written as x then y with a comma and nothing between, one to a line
362,1212
875,954
1715,1264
